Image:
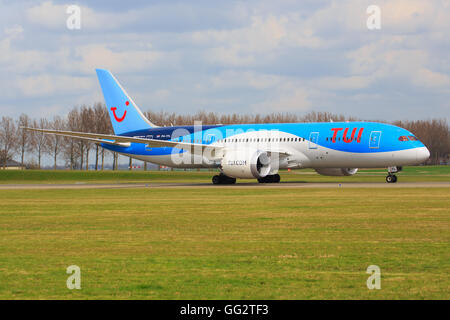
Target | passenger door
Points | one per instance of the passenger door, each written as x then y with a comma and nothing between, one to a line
374,142
313,140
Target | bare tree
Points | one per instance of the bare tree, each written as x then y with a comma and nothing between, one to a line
102,125
115,160
39,138
8,139
163,118
53,143
86,119
71,149
25,137
87,125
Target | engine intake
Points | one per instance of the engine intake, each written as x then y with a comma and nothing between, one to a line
246,164
336,171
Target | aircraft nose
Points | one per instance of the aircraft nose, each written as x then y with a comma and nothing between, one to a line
422,154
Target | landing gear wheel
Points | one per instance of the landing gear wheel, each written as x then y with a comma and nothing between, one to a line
216,180
274,178
223,179
392,178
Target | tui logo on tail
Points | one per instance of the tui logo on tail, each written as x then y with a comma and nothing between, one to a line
113,109
124,114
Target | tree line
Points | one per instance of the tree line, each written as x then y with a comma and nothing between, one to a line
18,143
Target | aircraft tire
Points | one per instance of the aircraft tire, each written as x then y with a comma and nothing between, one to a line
276,178
391,178
216,179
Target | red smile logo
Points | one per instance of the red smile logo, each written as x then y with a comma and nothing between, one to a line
113,109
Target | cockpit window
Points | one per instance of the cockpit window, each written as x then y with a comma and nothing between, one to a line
403,138
412,138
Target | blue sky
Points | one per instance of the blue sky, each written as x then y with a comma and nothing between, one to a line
230,56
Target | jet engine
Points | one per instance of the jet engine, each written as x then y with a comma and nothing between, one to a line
246,164
336,171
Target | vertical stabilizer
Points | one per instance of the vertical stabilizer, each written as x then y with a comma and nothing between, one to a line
125,115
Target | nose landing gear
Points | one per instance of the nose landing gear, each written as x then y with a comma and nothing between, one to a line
391,177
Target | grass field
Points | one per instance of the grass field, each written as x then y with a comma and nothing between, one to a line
209,243
409,174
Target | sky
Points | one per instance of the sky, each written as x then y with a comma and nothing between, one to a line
230,56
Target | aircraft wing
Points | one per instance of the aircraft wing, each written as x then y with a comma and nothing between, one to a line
125,141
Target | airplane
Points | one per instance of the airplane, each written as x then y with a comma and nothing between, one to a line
252,151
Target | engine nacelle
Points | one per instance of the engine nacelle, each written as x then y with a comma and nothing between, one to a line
336,171
246,164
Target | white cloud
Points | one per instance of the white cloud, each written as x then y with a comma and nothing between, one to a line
256,43
95,56
245,79
257,56
49,15
44,85
294,100
383,60
160,96
343,83
14,32
411,16
428,78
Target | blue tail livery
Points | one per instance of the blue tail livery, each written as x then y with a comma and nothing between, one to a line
125,115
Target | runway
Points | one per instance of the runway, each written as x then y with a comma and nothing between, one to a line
243,185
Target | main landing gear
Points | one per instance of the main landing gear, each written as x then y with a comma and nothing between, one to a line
223,179
391,177
273,178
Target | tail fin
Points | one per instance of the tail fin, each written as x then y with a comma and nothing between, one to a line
125,115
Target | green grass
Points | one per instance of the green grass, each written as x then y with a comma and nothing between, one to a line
76,176
410,174
209,243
